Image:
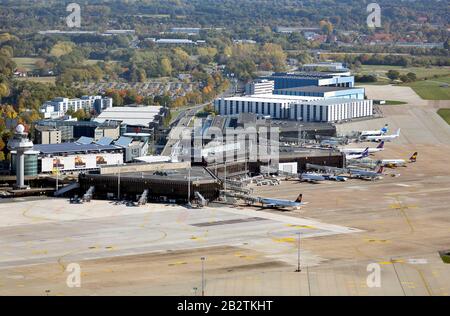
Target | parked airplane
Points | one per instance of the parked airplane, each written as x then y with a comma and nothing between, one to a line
365,174
355,151
392,163
335,178
276,203
380,132
312,177
383,137
364,154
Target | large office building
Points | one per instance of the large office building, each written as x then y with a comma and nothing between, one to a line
58,107
324,92
284,80
46,135
72,129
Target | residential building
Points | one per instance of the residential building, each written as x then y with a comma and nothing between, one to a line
58,107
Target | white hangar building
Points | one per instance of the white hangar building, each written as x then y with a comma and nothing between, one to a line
298,108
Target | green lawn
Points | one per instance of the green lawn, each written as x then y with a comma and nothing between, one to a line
28,63
445,114
394,102
432,89
421,72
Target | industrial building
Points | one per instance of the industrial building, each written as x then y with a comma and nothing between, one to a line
324,92
298,108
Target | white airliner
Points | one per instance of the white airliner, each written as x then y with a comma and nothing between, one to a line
356,151
365,174
397,162
277,203
380,132
383,137
364,154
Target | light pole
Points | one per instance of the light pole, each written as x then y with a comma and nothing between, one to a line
189,187
298,253
118,182
203,275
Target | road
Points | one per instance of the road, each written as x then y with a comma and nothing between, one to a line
183,120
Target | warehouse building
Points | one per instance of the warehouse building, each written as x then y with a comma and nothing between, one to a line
324,92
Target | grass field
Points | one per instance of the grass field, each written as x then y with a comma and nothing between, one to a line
394,102
28,63
48,80
421,72
445,114
432,89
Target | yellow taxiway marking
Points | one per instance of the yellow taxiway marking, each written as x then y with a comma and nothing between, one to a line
39,252
301,226
285,239
377,241
242,256
178,263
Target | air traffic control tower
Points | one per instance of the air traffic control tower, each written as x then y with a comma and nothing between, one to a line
20,143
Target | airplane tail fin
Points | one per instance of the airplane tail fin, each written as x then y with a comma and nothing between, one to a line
398,132
299,198
380,170
381,145
366,152
413,157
